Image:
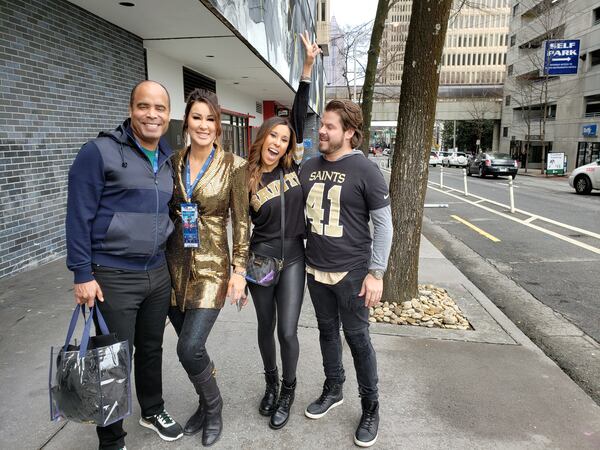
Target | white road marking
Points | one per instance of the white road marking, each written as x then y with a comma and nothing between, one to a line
530,225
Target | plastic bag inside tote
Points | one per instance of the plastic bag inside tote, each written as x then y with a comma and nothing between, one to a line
90,382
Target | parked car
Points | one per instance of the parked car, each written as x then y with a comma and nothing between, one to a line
586,178
434,158
493,164
457,159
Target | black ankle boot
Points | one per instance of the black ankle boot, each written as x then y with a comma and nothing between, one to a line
212,404
284,403
267,404
366,433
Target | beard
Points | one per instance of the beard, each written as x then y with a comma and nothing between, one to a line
333,147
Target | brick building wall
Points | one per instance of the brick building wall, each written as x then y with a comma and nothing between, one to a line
66,74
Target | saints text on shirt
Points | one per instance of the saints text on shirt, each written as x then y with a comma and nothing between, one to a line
272,189
325,175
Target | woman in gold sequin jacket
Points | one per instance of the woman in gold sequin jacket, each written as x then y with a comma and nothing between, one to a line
209,186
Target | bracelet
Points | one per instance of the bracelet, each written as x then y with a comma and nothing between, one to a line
241,273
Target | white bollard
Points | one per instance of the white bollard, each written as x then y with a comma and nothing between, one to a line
441,177
511,195
465,182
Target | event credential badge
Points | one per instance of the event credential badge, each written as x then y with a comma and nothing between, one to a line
189,218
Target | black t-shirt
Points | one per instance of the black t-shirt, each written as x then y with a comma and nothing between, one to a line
265,207
338,197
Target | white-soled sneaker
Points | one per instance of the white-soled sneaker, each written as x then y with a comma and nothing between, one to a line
164,425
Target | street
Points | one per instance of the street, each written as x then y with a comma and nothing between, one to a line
557,262
538,264
561,274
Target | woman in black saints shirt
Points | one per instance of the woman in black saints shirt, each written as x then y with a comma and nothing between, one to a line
272,152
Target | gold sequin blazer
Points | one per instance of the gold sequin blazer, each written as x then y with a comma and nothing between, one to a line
200,275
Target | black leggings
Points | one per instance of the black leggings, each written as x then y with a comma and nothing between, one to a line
283,301
193,327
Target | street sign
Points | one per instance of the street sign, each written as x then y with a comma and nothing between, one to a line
555,164
561,57
590,130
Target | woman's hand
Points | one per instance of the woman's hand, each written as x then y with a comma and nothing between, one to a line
310,54
236,287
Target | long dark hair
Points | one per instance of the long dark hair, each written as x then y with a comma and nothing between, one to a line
255,164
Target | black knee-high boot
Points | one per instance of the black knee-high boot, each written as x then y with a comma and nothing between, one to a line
282,413
212,404
195,422
267,404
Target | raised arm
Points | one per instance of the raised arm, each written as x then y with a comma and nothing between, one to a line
300,107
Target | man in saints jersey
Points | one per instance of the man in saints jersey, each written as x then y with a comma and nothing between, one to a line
343,192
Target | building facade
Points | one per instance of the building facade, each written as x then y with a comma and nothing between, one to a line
549,113
475,47
68,68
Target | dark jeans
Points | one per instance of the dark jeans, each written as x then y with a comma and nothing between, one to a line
135,308
193,327
280,304
337,302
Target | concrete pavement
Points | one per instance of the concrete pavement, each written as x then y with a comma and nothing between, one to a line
487,388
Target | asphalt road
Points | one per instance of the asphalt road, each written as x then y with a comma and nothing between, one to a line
559,266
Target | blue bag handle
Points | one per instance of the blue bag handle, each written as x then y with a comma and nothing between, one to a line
85,338
86,329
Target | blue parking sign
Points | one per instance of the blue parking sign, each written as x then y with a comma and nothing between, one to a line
561,57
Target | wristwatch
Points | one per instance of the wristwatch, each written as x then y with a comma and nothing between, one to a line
377,273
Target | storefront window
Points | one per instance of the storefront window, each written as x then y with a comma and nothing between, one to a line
235,134
587,152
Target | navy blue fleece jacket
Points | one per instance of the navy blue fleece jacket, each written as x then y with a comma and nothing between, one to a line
117,207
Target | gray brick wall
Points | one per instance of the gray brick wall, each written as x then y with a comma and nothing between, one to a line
65,75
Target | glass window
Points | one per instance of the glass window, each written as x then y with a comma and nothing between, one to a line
595,57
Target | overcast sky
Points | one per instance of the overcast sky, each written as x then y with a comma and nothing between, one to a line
353,12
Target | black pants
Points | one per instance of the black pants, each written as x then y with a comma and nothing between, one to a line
280,305
135,308
337,302
193,327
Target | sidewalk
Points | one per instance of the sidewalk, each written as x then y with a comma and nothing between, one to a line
536,174
489,388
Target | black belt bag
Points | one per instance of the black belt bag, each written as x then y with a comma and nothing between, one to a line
262,269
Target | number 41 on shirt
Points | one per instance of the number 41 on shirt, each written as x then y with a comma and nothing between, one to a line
316,213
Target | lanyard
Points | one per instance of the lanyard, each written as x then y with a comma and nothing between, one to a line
190,188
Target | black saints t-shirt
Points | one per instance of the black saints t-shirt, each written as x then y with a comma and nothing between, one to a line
265,207
338,197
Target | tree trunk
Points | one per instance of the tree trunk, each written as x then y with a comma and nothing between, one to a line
383,7
410,168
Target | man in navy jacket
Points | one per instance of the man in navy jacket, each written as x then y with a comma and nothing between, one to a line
117,227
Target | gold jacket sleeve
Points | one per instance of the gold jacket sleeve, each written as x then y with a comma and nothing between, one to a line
240,216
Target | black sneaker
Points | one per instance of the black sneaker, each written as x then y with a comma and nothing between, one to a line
331,397
366,433
164,425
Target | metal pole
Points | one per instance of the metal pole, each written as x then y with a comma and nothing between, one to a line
465,182
511,195
454,136
441,177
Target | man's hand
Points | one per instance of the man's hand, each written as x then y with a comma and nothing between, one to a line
87,293
372,288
